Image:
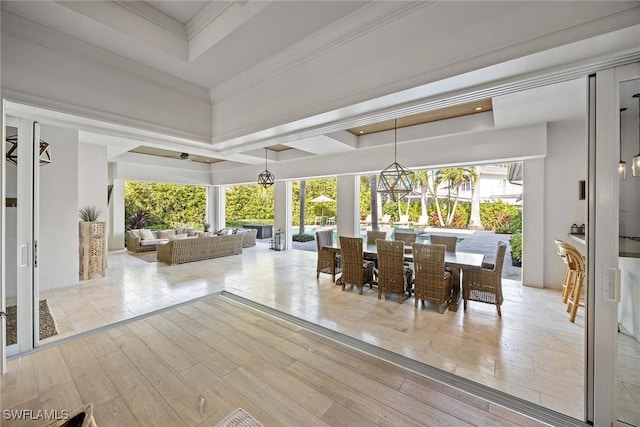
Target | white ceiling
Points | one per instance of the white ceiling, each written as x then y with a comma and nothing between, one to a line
208,43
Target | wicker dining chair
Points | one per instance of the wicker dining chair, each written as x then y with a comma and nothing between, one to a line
450,242
485,285
326,258
431,281
355,270
393,275
372,236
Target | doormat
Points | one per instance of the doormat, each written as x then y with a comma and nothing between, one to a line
47,323
239,418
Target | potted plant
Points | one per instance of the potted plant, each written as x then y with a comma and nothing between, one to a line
89,213
206,226
516,249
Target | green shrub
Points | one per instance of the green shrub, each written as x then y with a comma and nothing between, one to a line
460,217
516,246
303,238
500,217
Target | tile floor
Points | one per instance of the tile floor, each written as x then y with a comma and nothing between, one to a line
532,352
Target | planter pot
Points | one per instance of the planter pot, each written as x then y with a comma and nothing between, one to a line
515,262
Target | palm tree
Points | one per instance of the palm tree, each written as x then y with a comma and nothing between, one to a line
303,199
475,222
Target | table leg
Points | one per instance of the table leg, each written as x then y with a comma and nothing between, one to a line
455,284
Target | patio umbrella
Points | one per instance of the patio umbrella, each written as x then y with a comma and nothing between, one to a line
322,199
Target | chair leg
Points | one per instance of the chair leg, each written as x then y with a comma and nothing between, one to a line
415,300
360,289
343,286
317,274
465,305
499,311
379,293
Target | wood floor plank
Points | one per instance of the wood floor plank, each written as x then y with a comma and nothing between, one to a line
445,403
225,321
181,397
49,368
101,344
63,396
19,384
222,397
340,416
150,407
279,406
269,372
17,418
114,412
90,380
165,349
179,317
359,401
264,351
377,391
203,353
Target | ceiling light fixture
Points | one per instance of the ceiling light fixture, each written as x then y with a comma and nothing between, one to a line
44,156
266,178
395,179
622,166
185,156
478,108
635,166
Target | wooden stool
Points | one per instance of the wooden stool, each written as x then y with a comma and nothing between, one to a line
569,280
577,267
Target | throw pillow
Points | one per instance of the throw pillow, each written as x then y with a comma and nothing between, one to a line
192,232
146,234
165,234
178,236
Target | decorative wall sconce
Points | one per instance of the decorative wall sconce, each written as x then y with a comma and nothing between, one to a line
12,154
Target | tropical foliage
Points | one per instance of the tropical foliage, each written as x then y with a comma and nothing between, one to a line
89,213
167,205
249,204
516,246
500,217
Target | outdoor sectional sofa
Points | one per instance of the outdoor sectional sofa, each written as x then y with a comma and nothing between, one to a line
136,244
199,248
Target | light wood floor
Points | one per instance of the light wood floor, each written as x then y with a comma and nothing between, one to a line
532,352
196,364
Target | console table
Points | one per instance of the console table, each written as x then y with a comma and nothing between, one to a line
265,231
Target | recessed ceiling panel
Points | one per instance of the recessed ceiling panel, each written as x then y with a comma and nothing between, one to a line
152,151
426,117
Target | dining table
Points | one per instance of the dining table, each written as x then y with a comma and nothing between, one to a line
457,262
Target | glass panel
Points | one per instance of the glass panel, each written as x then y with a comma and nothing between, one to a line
11,249
629,261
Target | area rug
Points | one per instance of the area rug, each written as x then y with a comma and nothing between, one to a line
47,323
149,256
239,418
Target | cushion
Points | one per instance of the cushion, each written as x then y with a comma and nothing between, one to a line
152,242
192,232
146,234
165,234
136,233
227,232
178,236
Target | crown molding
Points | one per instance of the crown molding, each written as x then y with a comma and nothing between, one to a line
152,14
364,20
207,15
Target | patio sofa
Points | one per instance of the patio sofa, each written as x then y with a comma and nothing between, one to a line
199,248
136,242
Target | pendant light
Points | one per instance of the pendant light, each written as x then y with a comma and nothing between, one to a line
622,166
266,178
395,179
635,167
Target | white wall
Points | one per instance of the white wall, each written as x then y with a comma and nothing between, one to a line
564,166
64,74
58,246
92,177
533,222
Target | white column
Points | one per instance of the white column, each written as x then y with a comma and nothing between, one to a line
533,223
216,207
117,221
282,211
348,219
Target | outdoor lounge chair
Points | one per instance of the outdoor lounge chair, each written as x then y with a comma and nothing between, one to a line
386,219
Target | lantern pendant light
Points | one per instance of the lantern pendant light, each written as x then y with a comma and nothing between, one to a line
266,178
395,179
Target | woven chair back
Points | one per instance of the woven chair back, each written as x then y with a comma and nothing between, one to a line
391,266
450,242
372,236
351,251
406,238
428,263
